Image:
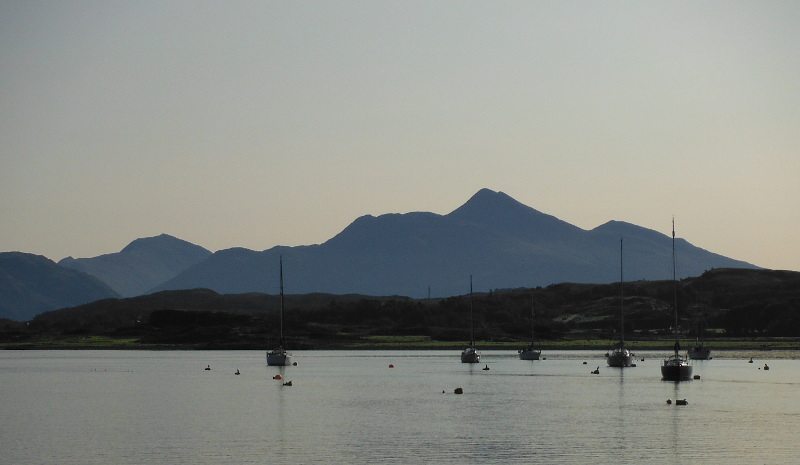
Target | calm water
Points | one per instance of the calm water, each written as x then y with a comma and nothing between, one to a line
112,407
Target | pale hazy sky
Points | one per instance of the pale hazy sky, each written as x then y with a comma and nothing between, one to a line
261,123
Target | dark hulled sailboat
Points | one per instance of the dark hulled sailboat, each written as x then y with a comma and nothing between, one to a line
620,356
675,367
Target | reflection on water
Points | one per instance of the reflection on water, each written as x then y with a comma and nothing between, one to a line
350,407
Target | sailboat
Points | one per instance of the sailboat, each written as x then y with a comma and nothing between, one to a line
620,356
530,352
675,367
279,356
471,354
699,351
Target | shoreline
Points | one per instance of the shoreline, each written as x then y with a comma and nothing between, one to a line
400,343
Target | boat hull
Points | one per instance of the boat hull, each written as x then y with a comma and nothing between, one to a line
529,354
470,355
279,358
620,358
700,353
671,372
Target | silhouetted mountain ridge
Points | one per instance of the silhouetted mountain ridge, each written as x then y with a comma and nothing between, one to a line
498,240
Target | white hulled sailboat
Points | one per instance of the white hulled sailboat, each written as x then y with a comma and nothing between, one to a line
279,356
471,354
531,352
699,351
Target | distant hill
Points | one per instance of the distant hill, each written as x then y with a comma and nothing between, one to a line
32,284
109,314
496,239
141,265
733,303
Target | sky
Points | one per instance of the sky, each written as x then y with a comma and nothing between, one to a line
262,123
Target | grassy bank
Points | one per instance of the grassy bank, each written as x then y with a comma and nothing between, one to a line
425,343
90,342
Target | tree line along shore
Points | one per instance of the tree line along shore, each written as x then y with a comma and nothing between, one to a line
731,309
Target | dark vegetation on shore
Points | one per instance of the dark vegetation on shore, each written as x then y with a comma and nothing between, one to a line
727,306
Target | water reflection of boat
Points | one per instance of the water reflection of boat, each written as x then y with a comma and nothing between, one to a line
471,354
279,356
531,352
620,356
675,367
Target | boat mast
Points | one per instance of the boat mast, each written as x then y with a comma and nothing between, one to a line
533,315
471,324
621,296
675,286
281,275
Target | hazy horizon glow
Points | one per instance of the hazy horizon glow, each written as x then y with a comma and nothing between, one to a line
256,124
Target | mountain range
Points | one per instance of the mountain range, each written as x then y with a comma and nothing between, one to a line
494,239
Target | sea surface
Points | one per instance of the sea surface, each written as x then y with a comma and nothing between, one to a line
143,407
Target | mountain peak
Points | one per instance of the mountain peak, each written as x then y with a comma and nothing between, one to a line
142,264
488,202
501,212
160,242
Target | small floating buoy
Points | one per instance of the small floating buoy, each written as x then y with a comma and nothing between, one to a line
237,372
681,402
486,368
391,365
277,377
294,364
458,391
287,383
633,365
208,367
696,376
766,367
642,360
751,360
584,363
669,401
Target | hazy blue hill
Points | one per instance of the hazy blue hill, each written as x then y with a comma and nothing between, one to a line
142,264
648,253
498,240
236,270
31,284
